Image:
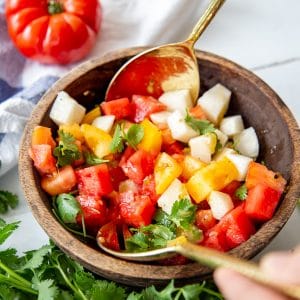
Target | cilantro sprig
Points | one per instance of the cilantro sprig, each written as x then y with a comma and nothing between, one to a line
242,192
91,159
201,126
49,274
133,137
67,151
7,200
166,228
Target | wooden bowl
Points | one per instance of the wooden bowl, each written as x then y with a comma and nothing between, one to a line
260,107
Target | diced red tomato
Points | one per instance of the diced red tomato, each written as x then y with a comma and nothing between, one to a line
144,106
261,202
138,166
43,159
230,189
215,238
59,182
148,188
205,219
126,232
198,113
237,227
108,235
94,181
80,161
120,108
136,210
167,138
258,173
127,153
117,175
42,135
94,212
174,148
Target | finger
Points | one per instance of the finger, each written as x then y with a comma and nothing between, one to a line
282,266
234,286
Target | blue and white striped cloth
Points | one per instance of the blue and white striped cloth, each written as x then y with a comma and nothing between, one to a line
126,23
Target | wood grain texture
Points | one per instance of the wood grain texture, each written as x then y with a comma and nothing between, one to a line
261,108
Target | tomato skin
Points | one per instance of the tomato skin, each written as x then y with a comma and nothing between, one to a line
215,238
109,236
138,166
136,210
94,180
121,108
62,37
261,202
148,188
258,173
60,182
205,219
144,106
43,159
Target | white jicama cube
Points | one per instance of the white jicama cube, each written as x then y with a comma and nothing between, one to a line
222,137
224,152
177,100
215,102
104,122
180,131
203,146
241,163
160,117
174,192
220,204
247,142
66,110
232,125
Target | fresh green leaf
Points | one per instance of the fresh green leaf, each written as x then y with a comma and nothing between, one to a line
37,258
67,151
134,135
242,192
68,207
104,290
201,126
47,290
84,280
92,160
9,257
117,143
9,293
7,229
7,199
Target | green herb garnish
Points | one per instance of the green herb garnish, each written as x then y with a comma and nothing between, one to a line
201,126
67,151
133,137
91,159
242,192
7,199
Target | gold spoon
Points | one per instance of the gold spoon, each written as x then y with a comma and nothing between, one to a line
209,258
163,68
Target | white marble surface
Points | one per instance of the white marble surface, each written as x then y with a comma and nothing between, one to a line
263,36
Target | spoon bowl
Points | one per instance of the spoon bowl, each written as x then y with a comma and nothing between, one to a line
163,68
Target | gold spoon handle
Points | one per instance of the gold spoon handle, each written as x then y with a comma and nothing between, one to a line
215,259
208,15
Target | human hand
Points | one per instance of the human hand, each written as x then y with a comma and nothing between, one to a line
282,267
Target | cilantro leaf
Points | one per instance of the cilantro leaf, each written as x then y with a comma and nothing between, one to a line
47,290
134,135
67,151
105,290
201,126
36,258
68,208
7,199
242,192
92,160
117,143
6,230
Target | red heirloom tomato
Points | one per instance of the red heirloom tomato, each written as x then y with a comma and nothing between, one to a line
60,31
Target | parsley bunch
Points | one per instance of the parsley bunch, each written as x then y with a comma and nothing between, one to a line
166,228
133,137
49,274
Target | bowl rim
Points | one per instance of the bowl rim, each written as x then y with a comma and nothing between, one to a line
114,268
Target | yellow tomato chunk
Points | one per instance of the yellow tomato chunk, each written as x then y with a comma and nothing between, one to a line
166,169
152,139
97,140
74,130
190,165
91,115
215,176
